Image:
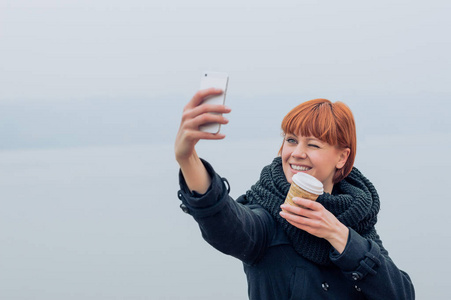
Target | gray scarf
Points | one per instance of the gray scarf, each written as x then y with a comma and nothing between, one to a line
354,201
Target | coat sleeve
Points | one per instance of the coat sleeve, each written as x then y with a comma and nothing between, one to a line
242,231
367,264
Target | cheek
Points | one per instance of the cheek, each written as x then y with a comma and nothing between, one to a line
330,162
287,173
286,167
322,162
285,153
285,164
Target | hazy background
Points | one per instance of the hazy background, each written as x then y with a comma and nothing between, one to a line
91,94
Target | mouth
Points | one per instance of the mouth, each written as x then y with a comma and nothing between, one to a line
300,168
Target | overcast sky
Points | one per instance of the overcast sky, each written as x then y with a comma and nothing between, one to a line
114,72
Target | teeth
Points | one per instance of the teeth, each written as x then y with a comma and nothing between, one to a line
299,168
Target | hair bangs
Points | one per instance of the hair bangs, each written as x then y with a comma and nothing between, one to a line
316,120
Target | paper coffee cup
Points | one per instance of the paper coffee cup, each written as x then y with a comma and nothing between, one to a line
304,186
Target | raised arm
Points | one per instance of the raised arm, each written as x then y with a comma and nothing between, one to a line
194,115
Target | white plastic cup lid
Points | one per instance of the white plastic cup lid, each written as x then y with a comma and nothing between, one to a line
308,183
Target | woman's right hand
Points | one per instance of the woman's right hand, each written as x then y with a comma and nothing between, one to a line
194,115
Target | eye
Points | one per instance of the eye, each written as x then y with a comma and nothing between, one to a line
314,146
291,140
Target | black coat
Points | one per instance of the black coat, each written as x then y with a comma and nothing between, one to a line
274,269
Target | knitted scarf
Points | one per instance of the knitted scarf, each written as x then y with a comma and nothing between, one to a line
354,202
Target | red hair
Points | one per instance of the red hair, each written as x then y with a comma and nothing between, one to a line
329,122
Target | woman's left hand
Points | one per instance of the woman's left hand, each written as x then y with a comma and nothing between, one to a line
316,220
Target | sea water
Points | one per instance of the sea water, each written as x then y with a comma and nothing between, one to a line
105,223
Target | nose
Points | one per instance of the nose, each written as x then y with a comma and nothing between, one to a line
299,152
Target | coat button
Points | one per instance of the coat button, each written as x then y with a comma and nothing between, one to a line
184,208
325,286
358,289
355,276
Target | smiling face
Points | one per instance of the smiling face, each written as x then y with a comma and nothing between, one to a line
312,156
318,136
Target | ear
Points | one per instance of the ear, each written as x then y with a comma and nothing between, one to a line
281,147
343,157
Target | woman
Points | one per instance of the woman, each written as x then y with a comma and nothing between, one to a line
327,250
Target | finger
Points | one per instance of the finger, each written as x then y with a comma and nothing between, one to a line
205,108
307,228
201,135
307,203
300,225
292,209
190,133
309,225
296,220
206,119
199,97
298,208
309,209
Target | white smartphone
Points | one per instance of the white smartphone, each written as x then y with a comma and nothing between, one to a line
214,80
